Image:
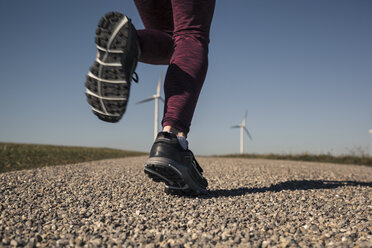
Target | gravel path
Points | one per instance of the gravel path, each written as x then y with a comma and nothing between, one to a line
258,203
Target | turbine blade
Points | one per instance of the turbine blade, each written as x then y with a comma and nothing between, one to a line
235,126
245,118
145,100
161,99
249,135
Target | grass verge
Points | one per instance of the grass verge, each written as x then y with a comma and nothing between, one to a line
26,156
327,158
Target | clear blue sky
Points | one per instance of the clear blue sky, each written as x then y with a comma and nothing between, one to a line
302,69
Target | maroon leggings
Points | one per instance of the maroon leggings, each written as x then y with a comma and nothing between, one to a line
177,34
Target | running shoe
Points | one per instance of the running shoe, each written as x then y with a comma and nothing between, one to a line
176,167
109,79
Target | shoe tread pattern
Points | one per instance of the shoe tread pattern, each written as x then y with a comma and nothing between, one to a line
114,108
173,178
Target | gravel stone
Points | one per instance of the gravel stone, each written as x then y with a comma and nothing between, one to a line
6,241
250,203
14,243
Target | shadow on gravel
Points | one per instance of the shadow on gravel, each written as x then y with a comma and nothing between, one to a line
289,185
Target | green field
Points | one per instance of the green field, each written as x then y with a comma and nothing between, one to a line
326,158
26,156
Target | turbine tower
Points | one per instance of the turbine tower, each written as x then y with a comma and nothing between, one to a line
243,128
155,97
370,131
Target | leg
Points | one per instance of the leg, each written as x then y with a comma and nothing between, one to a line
188,66
156,40
169,161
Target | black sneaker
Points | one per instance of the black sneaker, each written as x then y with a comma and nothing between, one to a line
109,78
175,166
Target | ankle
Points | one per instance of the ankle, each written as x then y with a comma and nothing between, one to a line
171,129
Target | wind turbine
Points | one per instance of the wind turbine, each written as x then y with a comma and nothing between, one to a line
370,131
155,97
243,128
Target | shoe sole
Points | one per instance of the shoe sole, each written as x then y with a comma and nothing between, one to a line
178,179
107,84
